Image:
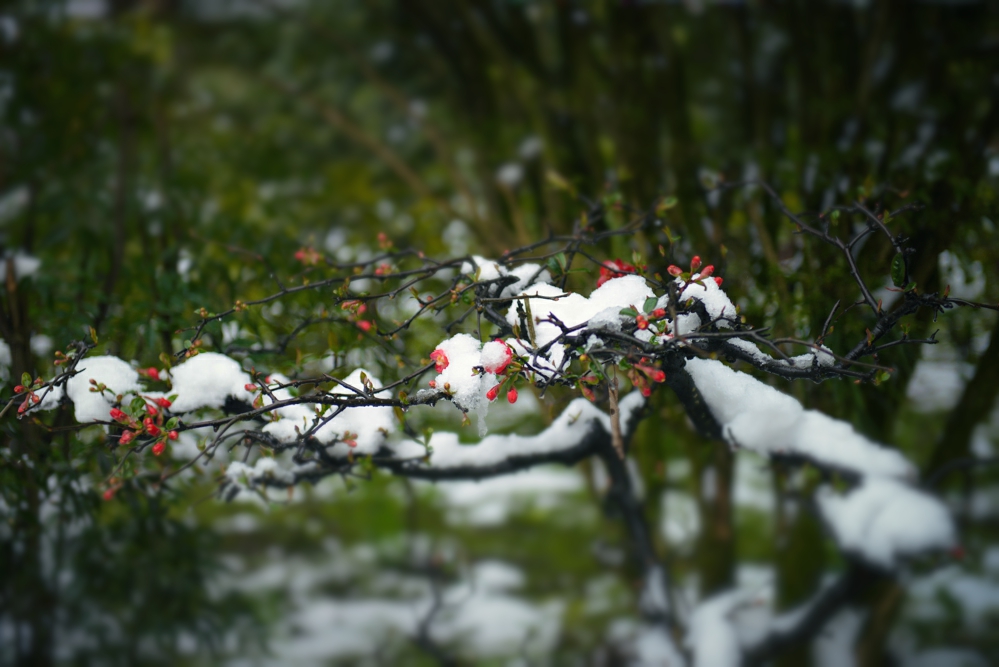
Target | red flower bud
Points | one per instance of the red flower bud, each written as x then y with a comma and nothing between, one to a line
151,410
511,395
695,263
172,435
674,270
18,389
118,415
708,270
614,268
158,448
163,402
250,387
126,437
350,442
493,393
151,428
658,376
153,373
658,313
642,322
433,384
109,494
364,325
718,281
646,391
35,398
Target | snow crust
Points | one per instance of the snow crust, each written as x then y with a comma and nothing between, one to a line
488,269
111,371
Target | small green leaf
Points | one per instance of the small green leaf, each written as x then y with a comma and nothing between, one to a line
25,380
650,304
898,270
171,423
629,312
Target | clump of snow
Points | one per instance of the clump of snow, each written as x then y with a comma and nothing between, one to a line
24,266
716,303
368,426
206,380
466,388
883,520
756,416
571,309
712,637
244,476
567,431
111,371
489,269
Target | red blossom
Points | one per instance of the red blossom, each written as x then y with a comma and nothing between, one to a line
695,263
642,322
163,402
153,373
708,270
151,410
151,428
364,325
109,494
499,367
126,437
118,415
658,313
511,395
439,357
433,384
18,389
172,435
158,448
493,393
614,268
718,280
674,270
250,387
308,256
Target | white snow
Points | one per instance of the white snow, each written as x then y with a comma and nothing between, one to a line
206,380
567,431
711,635
111,371
756,416
884,520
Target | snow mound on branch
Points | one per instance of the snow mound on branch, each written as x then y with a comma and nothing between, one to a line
602,309
756,416
883,520
206,380
465,387
488,269
111,371
243,476
568,430
368,425
712,636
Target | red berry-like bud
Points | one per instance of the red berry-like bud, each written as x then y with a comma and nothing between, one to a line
646,391
708,270
18,389
695,263
118,415
163,402
35,398
642,322
158,448
433,384
153,373
109,494
674,270
658,376
511,396
493,393
718,281
151,428
658,313
250,387
151,410
364,325
126,437
172,435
